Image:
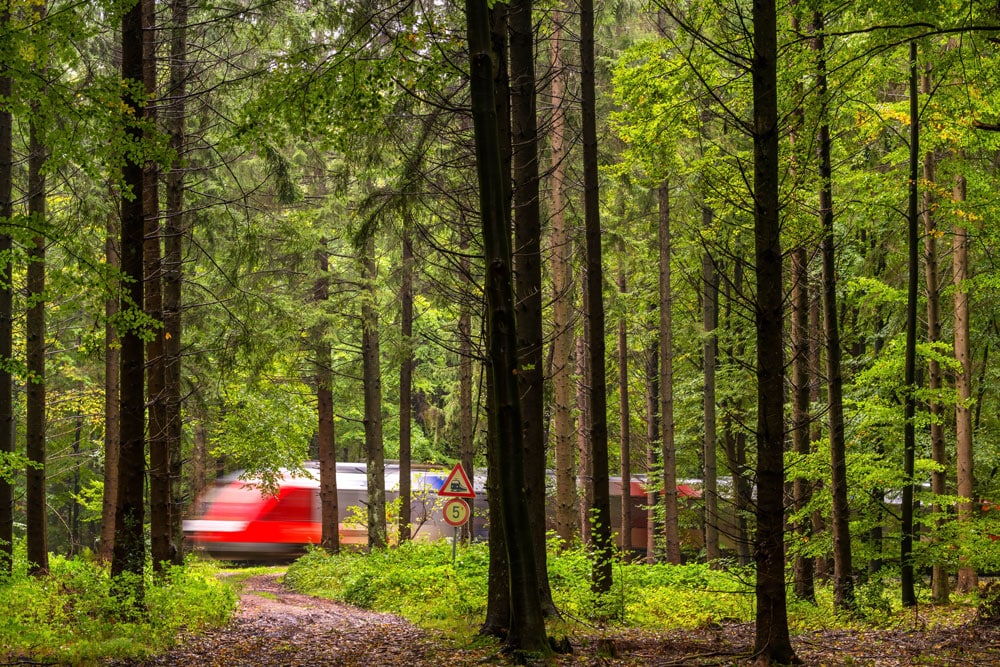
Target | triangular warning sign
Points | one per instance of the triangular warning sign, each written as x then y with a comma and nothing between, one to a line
457,484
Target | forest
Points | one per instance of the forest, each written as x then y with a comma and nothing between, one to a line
743,246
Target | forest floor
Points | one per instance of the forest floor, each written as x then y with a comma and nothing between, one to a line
277,627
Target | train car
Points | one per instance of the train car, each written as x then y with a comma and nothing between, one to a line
237,520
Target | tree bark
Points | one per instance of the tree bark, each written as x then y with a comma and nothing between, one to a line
325,428
710,307
527,625
801,443
6,307
405,384
652,444
173,259
935,381
112,409
668,450
371,362
625,444
906,576
968,580
843,581
772,644
584,472
562,298
129,553
36,500
528,275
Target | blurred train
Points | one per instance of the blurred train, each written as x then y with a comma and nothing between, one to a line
237,519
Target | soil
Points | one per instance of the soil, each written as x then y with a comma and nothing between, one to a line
277,627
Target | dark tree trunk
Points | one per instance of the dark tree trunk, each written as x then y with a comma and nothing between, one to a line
112,408
325,432
36,499
908,593
465,425
371,362
173,242
668,449
773,644
528,275
843,580
129,553
527,625
652,444
6,308
710,317
584,473
625,444
805,588
405,384
160,495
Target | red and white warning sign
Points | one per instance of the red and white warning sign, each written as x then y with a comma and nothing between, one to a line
457,484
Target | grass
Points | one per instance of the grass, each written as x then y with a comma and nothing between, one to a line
73,617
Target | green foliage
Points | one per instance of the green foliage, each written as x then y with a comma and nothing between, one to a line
72,617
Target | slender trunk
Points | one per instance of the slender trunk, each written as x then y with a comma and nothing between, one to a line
935,382
329,508
822,566
710,309
159,453
129,553
36,500
668,451
652,445
584,472
371,362
909,596
772,639
843,582
112,356
801,445
562,299
735,434
528,276
625,445
6,308
465,450
968,580
405,384
173,258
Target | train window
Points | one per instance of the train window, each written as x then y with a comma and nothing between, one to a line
296,505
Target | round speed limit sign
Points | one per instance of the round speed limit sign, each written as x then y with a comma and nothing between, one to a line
456,512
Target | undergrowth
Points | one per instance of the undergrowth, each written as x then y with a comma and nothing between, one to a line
72,617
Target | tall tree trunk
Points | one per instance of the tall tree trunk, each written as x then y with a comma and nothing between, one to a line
735,434
112,409
465,448
129,553
710,310
968,580
772,639
562,298
405,384
801,445
325,429
939,571
584,471
374,448
173,258
6,307
652,444
35,425
159,452
843,582
625,444
527,625
528,275
909,596
668,451
601,510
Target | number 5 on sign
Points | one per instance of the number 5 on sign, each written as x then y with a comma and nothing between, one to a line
456,512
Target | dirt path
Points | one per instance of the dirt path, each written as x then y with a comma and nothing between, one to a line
275,627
